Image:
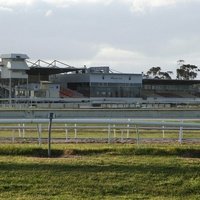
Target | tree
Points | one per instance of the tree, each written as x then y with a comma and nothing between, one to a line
187,72
180,62
155,72
165,75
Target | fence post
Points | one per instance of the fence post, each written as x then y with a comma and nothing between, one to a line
49,137
23,132
122,133
109,133
114,131
127,136
75,132
138,137
66,133
39,129
163,131
13,136
180,135
19,130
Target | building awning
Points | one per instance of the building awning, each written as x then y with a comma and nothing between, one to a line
50,70
169,82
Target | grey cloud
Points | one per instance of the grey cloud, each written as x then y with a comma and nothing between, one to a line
80,31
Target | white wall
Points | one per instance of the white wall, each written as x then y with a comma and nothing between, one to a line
14,69
116,78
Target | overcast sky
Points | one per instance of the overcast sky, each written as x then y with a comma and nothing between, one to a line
127,35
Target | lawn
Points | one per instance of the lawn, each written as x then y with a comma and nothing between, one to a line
100,171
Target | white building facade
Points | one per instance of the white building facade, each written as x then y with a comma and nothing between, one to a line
95,83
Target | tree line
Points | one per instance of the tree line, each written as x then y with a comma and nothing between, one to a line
184,72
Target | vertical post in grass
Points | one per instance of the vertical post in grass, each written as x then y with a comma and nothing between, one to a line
49,136
138,137
19,130
39,129
127,136
66,132
75,132
23,132
163,130
13,136
122,133
109,133
180,135
114,131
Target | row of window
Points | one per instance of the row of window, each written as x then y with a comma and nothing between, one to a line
114,92
117,84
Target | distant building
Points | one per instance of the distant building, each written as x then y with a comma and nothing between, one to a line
21,79
170,88
99,82
14,79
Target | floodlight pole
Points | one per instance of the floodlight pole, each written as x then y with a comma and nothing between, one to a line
49,136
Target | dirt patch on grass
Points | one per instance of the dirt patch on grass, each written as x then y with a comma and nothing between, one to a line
69,153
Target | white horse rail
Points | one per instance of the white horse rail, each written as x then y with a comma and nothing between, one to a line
129,124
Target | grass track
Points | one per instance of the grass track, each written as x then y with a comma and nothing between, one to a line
96,171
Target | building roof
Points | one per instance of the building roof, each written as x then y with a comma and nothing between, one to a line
50,70
169,82
14,56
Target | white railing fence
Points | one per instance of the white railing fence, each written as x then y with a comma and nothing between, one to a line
117,130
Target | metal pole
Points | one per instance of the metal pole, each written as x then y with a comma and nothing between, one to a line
49,137
109,133
163,132
13,136
122,133
19,130
23,132
39,129
180,135
75,133
127,136
138,137
114,131
66,132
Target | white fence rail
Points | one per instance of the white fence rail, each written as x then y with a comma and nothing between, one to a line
111,126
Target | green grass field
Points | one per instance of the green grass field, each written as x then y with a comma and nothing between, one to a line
100,171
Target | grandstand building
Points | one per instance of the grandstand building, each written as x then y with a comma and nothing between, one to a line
59,82
99,82
170,88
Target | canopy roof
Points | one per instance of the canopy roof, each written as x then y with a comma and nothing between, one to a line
50,70
169,82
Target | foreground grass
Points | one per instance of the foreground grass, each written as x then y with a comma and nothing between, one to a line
95,171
